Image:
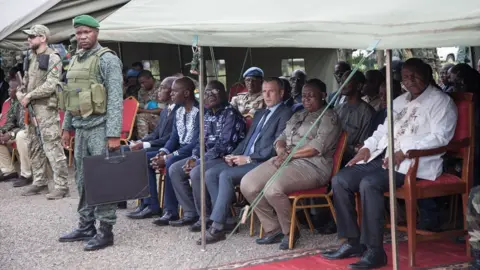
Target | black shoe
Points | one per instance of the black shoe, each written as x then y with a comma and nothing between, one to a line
165,219
286,238
197,226
102,239
122,205
345,251
212,235
183,221
371,259
138,209
145,213
22,181
82,233
8,176
476,259
270,239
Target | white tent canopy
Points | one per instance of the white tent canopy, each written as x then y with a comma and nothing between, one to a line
55,14
309,23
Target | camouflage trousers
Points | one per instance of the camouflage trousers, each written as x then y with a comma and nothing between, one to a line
145,124
91,142
47,152
473,217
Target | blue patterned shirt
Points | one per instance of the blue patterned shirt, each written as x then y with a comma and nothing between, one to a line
224,130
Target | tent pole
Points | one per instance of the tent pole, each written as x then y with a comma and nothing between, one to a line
202,147
391,169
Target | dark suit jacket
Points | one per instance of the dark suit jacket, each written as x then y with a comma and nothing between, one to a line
271,130
163,129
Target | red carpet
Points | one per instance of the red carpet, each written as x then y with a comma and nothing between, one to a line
429,255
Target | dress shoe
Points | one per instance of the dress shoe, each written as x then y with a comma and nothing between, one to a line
183,221
137,210
197,226
8,176
270,238
57,194
286,238
22,181
165,219
122,205
371,259
145,213
102,239
345,251
212,235
85,231
35,190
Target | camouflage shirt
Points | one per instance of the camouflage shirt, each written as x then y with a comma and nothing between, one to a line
110,75
14,118
247,103
146,96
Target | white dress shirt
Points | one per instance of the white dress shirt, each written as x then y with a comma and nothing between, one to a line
426,122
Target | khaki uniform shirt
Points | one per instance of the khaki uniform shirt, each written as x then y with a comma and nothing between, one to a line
323,137
247,103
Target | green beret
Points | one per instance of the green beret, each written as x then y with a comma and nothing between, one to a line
85,20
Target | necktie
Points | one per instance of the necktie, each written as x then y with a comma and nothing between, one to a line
255,134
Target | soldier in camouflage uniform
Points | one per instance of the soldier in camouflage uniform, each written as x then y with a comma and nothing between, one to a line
247,103
41,79
14,131
473,225
148,108
93,132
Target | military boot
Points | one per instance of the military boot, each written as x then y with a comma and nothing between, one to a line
476,259
85,231
102,239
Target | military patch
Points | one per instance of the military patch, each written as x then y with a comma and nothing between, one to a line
55,70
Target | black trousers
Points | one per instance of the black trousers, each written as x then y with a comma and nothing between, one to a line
371,180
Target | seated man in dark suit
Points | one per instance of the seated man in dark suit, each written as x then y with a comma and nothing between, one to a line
256,148
152,143
183,139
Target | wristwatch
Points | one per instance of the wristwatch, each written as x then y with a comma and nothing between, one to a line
249,160
12,134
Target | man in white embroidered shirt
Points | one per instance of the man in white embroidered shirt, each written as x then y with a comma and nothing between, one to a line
424,118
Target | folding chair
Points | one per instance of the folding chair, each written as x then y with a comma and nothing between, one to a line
130,108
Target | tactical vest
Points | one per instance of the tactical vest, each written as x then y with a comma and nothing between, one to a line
83,95
36,77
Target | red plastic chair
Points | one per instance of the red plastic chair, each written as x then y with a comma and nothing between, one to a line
235,89
130,108
5,107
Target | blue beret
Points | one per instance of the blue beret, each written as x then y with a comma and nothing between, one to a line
253,72
132,73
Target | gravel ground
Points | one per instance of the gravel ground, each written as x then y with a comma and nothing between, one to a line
30,226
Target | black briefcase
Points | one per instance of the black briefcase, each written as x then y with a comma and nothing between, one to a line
116,177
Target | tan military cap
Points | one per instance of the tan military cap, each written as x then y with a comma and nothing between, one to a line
38,30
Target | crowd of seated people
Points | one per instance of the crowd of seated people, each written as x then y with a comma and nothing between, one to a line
281,113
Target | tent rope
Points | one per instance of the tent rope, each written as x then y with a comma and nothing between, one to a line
214,62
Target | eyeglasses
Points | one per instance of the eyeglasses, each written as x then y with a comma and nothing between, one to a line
211,92
32,36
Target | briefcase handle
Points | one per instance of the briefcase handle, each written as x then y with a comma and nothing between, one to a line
115,159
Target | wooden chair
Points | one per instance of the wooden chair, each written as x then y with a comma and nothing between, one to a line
321,192
130,108
461,146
